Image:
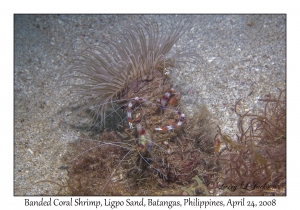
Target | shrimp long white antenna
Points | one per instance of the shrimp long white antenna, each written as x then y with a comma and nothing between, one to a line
83,153
164,176
113,144
102,122
108,180
152,142
111,103
101,143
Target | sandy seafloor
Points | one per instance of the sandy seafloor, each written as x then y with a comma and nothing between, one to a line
240,56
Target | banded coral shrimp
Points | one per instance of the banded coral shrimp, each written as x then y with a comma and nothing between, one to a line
133,156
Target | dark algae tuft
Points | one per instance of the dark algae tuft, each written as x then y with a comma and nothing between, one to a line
255,160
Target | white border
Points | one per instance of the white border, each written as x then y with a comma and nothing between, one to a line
8,9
